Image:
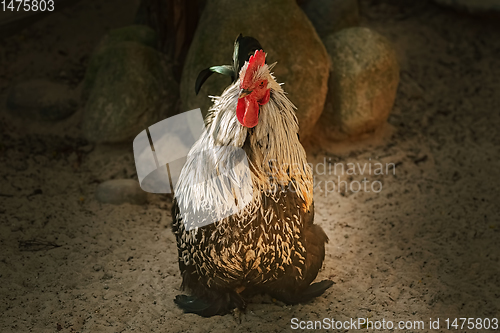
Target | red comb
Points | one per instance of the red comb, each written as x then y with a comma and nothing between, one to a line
255,61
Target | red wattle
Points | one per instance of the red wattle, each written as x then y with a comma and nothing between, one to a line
247,111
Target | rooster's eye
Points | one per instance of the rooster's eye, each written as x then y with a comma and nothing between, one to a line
261,84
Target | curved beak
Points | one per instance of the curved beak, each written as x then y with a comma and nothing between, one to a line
244,92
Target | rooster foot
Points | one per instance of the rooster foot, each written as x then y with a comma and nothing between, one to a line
238,314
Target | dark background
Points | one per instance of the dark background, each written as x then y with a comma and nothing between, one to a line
426,246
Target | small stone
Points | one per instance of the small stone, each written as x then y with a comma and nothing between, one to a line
330,16
107,276
97,267
473,6
119,191
362,84
41,100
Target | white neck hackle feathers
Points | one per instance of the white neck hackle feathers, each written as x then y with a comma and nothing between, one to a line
275,155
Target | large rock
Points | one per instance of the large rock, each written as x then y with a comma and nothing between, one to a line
41,100
286,35
119,191
473,6
362,83
129,86
133,33
330,16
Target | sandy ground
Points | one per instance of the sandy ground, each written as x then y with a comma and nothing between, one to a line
425,246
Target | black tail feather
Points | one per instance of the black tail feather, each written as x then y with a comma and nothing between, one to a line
191,304
221,305
315,290
306,295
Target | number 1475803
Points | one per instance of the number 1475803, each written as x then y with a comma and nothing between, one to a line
27,5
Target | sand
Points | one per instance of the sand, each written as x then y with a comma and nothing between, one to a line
425,246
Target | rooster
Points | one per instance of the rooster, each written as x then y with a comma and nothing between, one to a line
271,245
